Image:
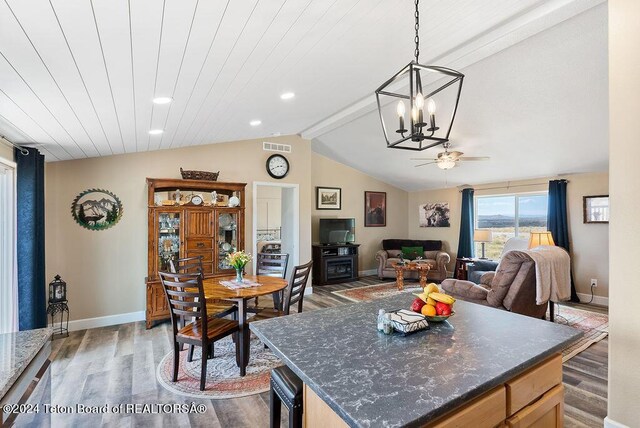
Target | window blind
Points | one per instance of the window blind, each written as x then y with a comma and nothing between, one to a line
8,267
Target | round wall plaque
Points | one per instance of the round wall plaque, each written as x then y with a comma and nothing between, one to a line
96,209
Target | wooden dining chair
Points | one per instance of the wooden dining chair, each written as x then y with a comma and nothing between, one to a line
218,309
293,293
186,300
271,264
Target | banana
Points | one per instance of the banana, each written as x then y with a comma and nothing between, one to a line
441,297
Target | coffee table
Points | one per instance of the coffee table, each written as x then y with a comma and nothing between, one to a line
422,267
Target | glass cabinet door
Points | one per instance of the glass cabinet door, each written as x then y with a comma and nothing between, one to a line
227,236
168,239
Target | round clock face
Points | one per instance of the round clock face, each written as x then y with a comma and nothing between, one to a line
277,166
196,200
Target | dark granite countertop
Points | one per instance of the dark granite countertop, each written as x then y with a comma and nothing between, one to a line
373,380
16,352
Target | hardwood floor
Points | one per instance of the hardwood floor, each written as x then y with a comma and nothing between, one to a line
117,364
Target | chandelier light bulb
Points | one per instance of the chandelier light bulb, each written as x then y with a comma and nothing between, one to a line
419,101
431,106
400,109
414,114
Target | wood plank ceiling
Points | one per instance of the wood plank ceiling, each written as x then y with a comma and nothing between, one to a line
77,78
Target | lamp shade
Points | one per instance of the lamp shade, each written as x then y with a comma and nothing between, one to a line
482,235
540,238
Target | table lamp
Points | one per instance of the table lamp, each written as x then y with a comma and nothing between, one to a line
540,238
482,235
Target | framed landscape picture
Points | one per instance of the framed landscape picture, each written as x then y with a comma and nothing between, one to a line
375,209
434,214
596,209
328,198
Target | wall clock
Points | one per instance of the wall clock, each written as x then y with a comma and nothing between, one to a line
277,166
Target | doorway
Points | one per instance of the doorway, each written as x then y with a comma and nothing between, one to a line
276,220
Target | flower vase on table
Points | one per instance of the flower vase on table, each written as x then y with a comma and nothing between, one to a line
238,260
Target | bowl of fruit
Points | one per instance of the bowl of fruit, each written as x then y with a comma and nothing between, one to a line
435,305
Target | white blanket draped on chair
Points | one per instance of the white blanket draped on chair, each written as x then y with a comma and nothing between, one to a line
553,273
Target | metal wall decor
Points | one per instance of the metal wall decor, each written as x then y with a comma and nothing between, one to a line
422,132
96,209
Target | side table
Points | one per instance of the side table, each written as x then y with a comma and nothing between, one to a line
421,268
460,271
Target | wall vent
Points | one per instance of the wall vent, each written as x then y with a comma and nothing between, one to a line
274,147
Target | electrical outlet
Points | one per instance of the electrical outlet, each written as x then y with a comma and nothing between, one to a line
594,282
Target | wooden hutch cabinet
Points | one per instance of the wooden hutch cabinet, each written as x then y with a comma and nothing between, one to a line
180,228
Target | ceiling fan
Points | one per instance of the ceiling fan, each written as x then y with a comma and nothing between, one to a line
449,159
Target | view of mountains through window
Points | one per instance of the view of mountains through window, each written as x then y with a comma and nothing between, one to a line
509,216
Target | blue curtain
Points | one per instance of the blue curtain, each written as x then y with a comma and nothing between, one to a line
557,222
32,295
465,242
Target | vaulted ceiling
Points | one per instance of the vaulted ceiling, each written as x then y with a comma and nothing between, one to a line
77,78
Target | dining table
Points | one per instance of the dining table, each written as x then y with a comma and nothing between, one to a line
214,291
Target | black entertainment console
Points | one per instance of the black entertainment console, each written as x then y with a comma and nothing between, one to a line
335,263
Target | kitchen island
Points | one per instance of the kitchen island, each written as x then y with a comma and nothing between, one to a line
24,368
490,365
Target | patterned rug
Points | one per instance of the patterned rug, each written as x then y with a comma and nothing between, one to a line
223,375
595,325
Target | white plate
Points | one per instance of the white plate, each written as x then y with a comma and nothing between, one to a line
226,246
225,220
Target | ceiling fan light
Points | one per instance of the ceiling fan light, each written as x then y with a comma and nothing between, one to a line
446,164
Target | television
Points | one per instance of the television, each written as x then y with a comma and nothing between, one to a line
337,230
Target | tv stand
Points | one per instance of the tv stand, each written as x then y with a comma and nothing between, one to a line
334,263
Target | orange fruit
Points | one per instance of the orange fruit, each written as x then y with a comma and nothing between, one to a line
428,311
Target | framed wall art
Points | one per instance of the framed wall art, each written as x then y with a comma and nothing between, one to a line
328,198
96,209
434,214
375,209
596,209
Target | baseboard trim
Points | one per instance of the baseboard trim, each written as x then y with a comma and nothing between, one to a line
610,423
597,300
368,272
105,321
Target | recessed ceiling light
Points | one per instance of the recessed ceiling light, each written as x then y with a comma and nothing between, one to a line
255,122
162,100
156,131
287,95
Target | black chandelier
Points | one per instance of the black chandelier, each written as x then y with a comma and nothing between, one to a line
423,132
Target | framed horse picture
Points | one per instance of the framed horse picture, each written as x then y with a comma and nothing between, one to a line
434,214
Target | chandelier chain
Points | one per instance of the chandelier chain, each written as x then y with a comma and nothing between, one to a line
417,27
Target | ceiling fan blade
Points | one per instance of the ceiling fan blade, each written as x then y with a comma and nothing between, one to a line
423,164
476,158
422,159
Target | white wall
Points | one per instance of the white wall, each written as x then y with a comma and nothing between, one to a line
624,151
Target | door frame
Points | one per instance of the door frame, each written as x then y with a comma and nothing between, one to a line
295,257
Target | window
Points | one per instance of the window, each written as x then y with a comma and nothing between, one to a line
508,216
8,271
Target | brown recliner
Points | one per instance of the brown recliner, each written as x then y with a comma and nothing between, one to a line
512,287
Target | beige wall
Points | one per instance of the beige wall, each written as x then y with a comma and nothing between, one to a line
624,152
589,242
105,270
329,173
6,151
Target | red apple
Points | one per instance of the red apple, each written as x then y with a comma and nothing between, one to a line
443,309
417,305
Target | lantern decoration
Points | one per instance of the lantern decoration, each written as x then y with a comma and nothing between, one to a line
58,305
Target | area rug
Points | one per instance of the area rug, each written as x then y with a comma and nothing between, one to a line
594,325
223,375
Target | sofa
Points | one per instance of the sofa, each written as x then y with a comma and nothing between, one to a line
479,267
511,287
432,252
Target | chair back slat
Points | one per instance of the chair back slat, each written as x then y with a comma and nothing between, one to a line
272,264
294,293
187,265
185,297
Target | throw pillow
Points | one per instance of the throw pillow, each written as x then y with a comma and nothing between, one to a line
411,253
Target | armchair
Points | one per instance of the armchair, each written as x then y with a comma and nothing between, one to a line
432,252
512,287
478,268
